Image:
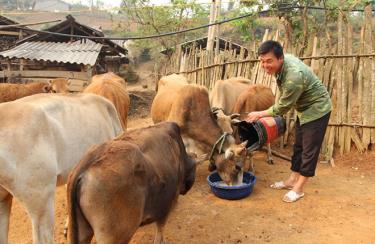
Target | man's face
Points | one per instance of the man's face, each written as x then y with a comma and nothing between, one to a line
270,63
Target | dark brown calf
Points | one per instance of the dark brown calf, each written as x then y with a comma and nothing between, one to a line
130,181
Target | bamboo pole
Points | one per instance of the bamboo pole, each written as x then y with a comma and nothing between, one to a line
349,77
314,63
257,66
340,77
366,102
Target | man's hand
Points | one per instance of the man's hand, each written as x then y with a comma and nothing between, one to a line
253,116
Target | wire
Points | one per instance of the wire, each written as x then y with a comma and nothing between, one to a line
166,5
141,37
176,32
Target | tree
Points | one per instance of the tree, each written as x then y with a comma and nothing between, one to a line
156,19
299,21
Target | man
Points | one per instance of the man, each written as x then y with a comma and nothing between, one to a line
299,88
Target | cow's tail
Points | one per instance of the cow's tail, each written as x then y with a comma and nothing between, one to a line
73,211
78,223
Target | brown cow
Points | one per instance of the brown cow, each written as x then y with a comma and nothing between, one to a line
60,85
109,76
224,94
189,107
223,98
174,80
255,98
114,91
10,92
128,182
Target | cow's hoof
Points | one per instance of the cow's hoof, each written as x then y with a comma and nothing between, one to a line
211,167
66,233
270,161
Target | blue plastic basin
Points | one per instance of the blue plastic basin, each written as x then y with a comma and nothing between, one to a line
231,192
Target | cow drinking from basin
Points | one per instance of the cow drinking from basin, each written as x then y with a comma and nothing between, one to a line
188,106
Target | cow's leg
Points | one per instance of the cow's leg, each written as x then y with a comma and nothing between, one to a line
269,154
40,207
159,232
249,163
5,207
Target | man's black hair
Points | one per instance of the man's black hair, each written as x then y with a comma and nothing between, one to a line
271,46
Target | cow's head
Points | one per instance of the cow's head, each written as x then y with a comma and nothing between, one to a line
230,164
60,85
225,121
189,176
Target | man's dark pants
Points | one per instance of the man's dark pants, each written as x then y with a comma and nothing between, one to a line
308,141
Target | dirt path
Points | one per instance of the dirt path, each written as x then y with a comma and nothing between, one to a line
338,208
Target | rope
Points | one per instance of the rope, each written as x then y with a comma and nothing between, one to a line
221,140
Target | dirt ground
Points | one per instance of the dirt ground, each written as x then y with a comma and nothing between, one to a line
338,207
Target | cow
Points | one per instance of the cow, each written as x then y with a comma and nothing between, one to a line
224,94
173,81
223,98
255,98
189,107
114,91
41,138
130,181
11,92
60,85
109,76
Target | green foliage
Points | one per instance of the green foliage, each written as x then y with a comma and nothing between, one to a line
156,19
247,27
183,14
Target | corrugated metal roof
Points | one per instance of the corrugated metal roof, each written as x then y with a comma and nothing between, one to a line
75,52
71,26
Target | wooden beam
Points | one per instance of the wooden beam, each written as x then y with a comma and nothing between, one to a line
47,74
27,24
9,33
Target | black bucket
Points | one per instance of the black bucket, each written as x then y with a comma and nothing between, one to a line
260,132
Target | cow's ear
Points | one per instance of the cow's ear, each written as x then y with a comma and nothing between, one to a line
235,116
215,111
235,121
228,154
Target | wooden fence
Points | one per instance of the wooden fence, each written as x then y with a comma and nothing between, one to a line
348,76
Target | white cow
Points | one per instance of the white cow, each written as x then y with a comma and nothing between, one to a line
41,138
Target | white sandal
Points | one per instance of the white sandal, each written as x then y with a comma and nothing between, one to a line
292,196
280,185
